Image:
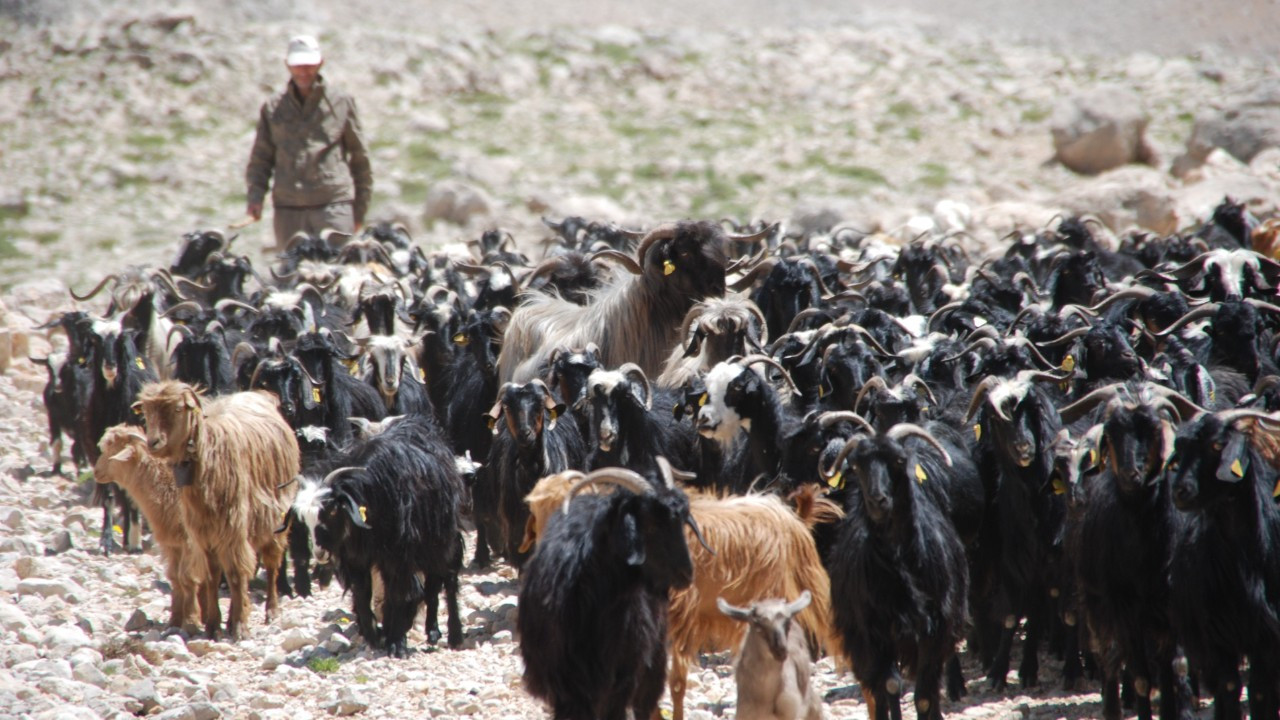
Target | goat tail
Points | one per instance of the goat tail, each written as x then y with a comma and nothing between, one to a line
813,508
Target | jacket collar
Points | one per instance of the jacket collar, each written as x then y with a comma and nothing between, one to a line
317,94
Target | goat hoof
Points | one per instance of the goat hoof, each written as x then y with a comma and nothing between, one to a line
433,637
398,649
455,639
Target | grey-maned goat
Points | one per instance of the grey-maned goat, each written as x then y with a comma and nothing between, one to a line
774,664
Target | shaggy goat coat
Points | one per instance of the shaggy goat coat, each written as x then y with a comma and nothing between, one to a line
238,455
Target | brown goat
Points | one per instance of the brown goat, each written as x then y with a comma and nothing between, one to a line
124,460
762,549
233,456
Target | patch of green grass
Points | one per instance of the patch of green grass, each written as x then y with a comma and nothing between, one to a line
717,191
13,213
934,175
620,54
323,666
914,134
493,150
118,648
648,171
749,180
1186,118
630,129
859,173
7,250
361,679
903,109
1035,114
47,237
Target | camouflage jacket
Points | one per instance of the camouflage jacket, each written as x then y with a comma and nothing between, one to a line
306,146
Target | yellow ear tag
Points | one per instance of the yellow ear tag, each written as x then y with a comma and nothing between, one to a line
460,338
821,390
364,514
422,376
1093,457
920,476
1213,395
81,360
1237,469
553,414
1276,493
116,528
835,481
315,394
141,365
1059,487
353,367
493,422
977,432
1068,363
702,399
668,267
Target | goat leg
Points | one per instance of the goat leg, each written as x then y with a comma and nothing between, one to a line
955,679
1037,621
1111,697
107,541
451,599
362,606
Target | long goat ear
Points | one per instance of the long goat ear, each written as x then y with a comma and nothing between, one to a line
1234,463
358,515
736,613
632,538
191,400
124,455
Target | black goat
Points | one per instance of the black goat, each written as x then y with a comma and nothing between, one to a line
393,507
1225,564
899,576
529,444
625,429
66,394
338,394
1119,544
594,598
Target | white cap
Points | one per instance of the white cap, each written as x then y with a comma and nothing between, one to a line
303,50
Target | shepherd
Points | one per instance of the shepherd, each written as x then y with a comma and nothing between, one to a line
305,137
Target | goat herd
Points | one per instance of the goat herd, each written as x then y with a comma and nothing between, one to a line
703,439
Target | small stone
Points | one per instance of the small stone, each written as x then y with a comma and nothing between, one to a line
58,542
61,641
266,702
90,674
144,691
273,660
180,713
12,518
138,621
22,545
464,706
296,639
337,643
12,617
65,589
205,711
200,647
348,702
502,637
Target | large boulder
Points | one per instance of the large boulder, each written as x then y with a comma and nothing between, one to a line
456,202
1243,127
1127,198
1099,130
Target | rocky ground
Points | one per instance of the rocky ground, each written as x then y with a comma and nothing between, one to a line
126,126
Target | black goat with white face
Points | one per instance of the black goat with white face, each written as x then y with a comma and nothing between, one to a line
1224,610
594,598
532,439
390,366
66,393
393,507
1235,335
626,430
740,398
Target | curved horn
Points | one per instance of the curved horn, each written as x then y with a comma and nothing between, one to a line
633,373
875,383
96,289
1079,408
609,476
225,303
802,316
1064,339
761,268
831,417
826,473
918,382
1135,292
662,232
186,305
621,258
753,359
980,394
902,430
1206,310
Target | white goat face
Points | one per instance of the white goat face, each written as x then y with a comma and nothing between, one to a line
718,419
600,395
306,504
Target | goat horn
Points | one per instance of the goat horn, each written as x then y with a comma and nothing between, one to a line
831,417
662,232
341,471
1129,293
980,394
546,267
1229,416
901,430
1259,304
830,471
1017,319
753,274
875,383
608,476
182,330
753,359
986,342
749,261
240,348
1206,310
225,303
621,258
471,269
1064,339
1186,408
870,339
97,288
919,383
944,310
185,305
754,236
801,316
285,277
1077,409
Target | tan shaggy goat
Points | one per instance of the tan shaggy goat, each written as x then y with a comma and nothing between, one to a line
125,461
763,549
233,457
